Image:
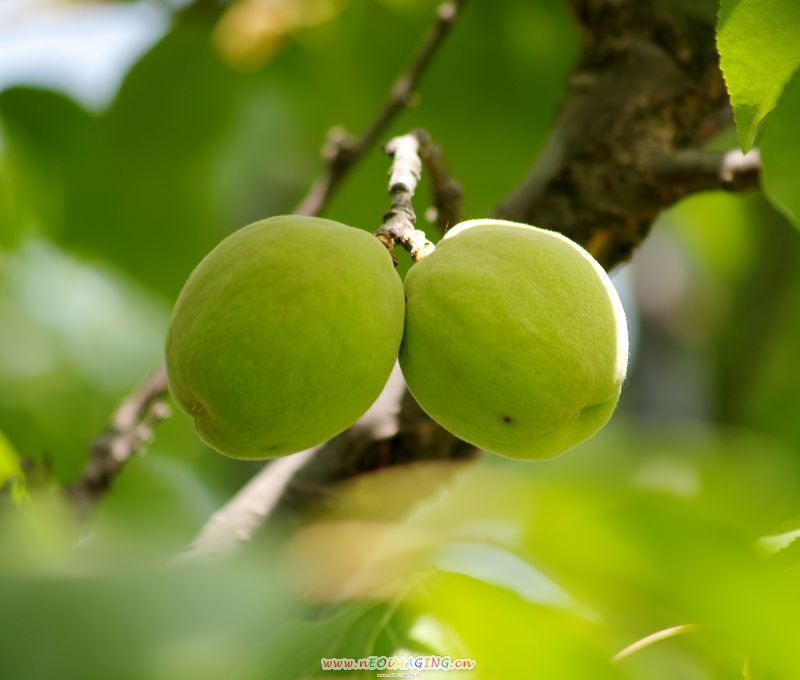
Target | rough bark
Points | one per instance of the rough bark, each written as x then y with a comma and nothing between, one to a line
647,87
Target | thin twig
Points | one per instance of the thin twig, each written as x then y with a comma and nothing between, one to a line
129,430
658,636
399,221
447,192
409,153
343,150
708,170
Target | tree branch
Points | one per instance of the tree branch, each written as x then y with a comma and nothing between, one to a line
698,170
343,150
409,153
647,86
235,523
399,220
129,430
447,193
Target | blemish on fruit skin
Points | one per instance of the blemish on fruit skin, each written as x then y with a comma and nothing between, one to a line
507,419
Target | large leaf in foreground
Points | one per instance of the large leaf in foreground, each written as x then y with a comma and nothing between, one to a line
759,47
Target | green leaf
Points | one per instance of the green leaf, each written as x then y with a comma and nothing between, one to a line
759,47
780,147
44,135
352,630
11,472
146,197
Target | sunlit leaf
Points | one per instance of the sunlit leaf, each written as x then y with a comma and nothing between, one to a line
11,472
759,46
64,324
294,651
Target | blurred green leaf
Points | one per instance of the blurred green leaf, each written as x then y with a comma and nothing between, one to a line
293,652
532,641
160,501
145,197
780,147
45,135
547,569
718,229
759,46
65,326
168,623
10,471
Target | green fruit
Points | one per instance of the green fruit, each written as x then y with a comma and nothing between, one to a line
284,335
515,339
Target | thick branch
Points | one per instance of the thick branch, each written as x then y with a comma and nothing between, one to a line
647,86
399,220
344,150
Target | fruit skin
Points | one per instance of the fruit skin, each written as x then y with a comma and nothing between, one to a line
284,335
515,339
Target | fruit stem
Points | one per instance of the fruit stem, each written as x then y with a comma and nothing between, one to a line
399,222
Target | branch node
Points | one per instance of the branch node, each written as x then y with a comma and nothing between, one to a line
340,148
447,12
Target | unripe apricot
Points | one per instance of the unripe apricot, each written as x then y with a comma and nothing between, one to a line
284,335
515,339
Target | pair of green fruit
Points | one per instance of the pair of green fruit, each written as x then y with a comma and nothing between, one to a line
511,337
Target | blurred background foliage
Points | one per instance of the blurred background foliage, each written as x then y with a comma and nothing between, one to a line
114,184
